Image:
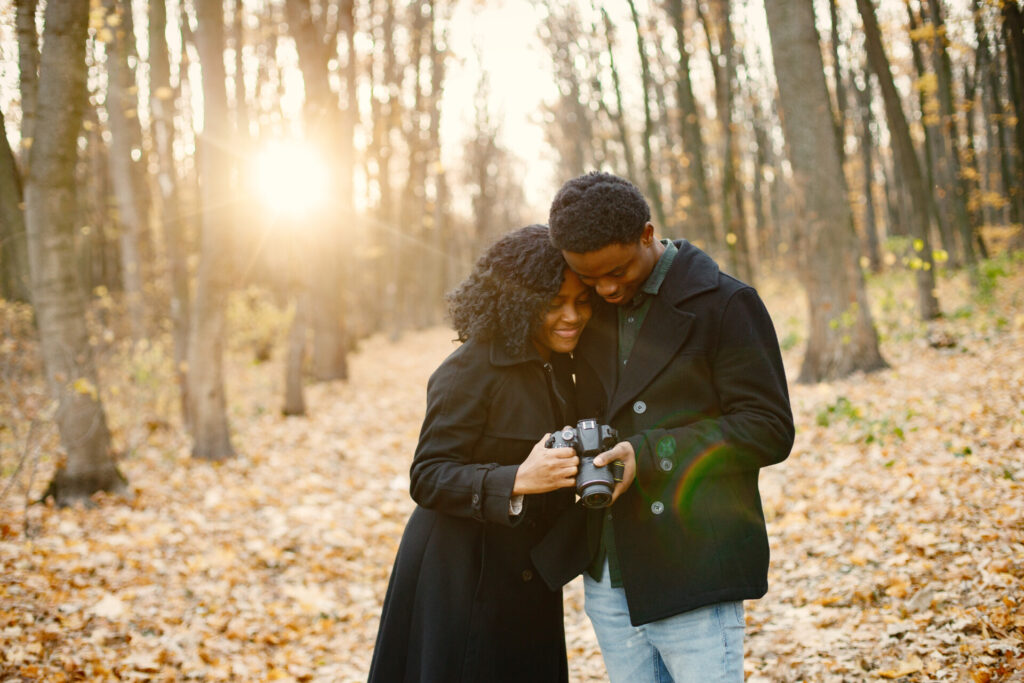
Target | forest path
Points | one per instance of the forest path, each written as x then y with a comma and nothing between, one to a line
897,529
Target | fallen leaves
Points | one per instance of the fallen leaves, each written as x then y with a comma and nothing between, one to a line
897,527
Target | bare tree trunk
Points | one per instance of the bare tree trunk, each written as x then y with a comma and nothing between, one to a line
693,139
161,104
56,294
842,336
733,214
28,72
839,115
208,413
441,224
651,169
927,303
618,118
935,166
14,275
995,128
966,220
125,154
973,184
1013,30
412,208
322,118
867,144
294,399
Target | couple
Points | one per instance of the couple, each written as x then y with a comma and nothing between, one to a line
683,361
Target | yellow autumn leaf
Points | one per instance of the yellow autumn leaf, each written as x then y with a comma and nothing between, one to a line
907,667
83,385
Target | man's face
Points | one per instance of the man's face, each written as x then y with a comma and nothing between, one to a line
617,271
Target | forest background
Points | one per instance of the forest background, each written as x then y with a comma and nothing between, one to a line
226,231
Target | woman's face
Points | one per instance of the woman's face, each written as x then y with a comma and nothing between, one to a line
565,317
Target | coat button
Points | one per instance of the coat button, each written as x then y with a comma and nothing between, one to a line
527,575
666,465
639,407
657,507
476,499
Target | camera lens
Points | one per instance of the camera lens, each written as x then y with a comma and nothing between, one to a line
599,497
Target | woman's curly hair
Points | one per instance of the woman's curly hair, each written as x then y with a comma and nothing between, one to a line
595,210
511,285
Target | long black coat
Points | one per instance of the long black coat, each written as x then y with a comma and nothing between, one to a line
704,402
464,602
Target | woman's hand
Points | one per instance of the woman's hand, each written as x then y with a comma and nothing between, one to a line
546,469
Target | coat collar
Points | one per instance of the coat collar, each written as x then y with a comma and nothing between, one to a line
664,331
693,272
500,357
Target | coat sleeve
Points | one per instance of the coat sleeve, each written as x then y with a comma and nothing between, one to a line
444,476
754,427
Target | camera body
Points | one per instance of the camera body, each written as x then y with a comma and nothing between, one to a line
590,438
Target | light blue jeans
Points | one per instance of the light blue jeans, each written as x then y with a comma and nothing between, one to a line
702,646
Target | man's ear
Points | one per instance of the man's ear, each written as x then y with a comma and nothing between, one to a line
647,236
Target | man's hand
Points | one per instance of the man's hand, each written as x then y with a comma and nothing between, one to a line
623,452
546,469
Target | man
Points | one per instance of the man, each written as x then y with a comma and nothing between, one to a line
685,364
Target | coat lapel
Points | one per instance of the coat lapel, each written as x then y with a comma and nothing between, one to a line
662,335
667,325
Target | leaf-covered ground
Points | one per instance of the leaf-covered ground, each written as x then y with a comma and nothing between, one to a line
897,524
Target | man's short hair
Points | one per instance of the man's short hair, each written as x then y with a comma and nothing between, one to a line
595,210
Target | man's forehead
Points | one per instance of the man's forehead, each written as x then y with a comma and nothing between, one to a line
600,262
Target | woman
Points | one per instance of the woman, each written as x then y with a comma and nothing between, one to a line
464,602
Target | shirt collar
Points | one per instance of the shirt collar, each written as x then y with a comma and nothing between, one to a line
652,285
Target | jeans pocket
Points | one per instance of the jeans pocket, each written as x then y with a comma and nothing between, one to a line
739,614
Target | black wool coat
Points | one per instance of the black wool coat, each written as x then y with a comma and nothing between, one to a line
704,402
464,602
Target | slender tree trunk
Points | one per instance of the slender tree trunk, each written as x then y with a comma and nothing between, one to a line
935,167
441,237
28,72
294,399
921,259
995,128
323,120
14,275
973,168
840,89
842,336
412,209
56,294
733,214
1013,30
965,220
693,139
125,148
161,104
650,168
208,414
618,118
867,144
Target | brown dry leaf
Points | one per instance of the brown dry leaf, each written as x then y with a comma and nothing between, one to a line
896,528
911,666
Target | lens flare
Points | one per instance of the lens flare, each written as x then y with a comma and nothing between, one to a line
290,178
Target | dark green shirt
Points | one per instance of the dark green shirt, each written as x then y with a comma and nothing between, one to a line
631,319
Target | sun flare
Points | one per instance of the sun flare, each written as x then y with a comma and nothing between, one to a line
290,178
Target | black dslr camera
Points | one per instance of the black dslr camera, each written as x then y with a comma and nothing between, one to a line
588,439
